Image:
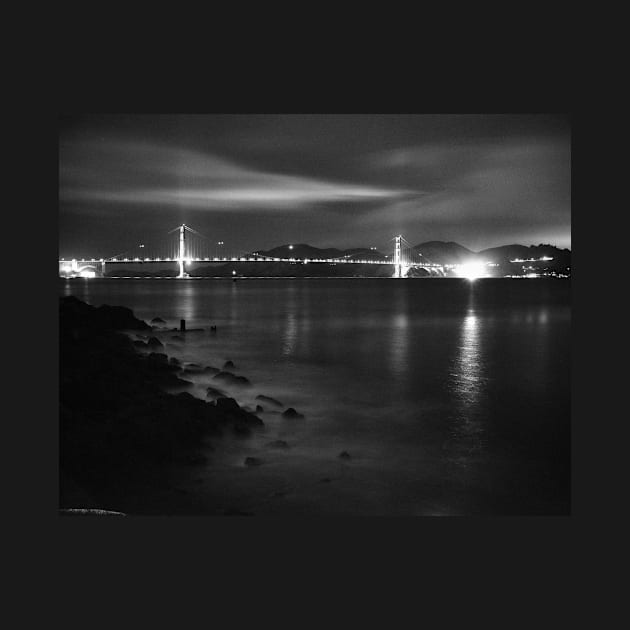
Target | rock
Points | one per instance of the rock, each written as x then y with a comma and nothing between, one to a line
155,342
291,413
174,361
182,382
232,379
191,369
268,399
158,320
212,392
344,455
228,364
252,461
231,411
259,409
210,370
119,318
140,344
228,405
213,329
158,356
278,444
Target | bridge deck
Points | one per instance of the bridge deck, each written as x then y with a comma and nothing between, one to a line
245,259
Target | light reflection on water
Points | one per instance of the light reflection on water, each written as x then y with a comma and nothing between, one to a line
290,333
467,382
468,375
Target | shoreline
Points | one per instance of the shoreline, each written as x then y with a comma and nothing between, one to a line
127,425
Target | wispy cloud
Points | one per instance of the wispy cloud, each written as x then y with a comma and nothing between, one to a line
142,173
478,189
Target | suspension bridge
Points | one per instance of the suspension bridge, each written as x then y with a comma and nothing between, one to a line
184,246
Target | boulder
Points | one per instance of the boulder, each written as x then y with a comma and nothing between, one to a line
259,409
158,356
119,318
210,370
228,364
344,455
213,392
291,413
278,444
158,320
140,344
227,405
155,342
191,368
271,401
253,461
174,361
232,379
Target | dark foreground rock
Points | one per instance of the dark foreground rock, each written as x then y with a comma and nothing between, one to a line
291,413
268,399
232,379
230,408
278,444
213,392
117,422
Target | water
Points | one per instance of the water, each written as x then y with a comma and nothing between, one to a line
452,397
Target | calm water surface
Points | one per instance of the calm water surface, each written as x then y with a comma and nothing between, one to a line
452,397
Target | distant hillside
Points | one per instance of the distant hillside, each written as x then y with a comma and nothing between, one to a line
444,253
302,250
511,252
452,253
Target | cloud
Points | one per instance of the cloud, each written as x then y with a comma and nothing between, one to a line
481,190
143,173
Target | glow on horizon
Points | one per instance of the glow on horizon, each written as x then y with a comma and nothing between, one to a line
471,270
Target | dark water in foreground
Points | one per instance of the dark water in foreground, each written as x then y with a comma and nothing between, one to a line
451,397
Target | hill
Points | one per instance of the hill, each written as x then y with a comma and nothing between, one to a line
444,253
302,250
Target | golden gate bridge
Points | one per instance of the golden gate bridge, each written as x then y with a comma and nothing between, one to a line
184,246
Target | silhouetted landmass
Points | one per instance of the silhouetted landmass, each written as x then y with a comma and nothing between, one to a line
302,250
452,254
444,253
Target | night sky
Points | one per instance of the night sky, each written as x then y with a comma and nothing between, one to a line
255,182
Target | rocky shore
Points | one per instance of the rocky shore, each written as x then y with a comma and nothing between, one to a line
120,421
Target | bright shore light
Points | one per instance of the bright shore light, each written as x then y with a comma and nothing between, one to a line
471,270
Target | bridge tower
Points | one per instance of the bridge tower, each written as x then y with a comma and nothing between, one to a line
182,251
397,257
